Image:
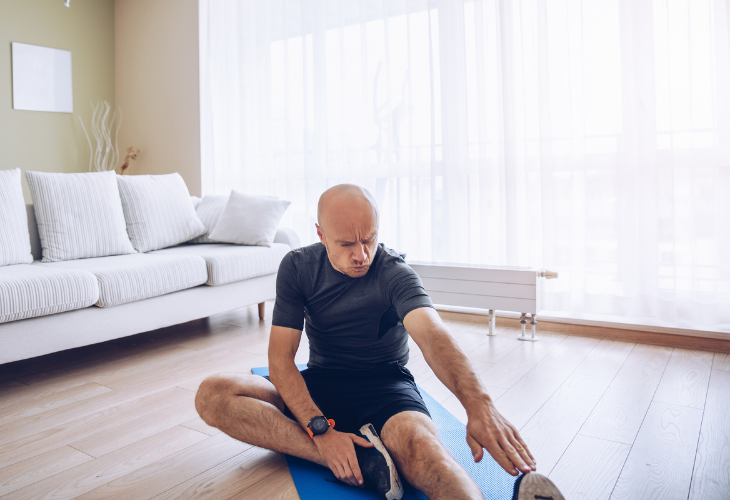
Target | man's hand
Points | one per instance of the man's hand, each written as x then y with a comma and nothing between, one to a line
338,450
488,429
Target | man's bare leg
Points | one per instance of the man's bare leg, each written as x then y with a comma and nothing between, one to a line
413,443
248,408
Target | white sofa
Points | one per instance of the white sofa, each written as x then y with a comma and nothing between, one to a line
102,298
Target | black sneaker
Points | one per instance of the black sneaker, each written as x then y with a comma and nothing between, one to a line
378,469
534,486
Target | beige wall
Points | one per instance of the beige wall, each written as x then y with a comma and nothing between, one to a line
157,85
55,142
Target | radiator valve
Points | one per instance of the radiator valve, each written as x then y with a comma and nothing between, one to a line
548,275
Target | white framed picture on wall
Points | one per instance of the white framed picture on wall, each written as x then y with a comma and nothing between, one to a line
42,79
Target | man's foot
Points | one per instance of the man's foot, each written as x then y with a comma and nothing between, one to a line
534,486
378,469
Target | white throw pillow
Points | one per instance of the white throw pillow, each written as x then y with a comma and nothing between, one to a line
14,236
79,215
209,210
249,220
158,211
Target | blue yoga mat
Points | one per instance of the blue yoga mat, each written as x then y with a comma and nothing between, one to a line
315,482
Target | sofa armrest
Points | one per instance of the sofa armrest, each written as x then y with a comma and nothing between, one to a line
288,236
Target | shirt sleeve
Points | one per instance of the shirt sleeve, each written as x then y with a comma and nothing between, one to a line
406,290
289,305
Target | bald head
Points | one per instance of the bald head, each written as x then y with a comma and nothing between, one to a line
345,201
348,227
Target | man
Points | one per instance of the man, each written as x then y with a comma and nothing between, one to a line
360,301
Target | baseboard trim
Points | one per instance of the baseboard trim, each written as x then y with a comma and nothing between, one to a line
624,334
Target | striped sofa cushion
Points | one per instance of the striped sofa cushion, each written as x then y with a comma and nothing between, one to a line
14,236
127,278
228,263
30,290
78,215
158,211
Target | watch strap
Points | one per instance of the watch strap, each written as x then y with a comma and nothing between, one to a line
311,434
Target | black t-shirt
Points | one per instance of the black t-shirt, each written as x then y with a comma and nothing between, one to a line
351,323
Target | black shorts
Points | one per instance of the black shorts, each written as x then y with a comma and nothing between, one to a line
353,398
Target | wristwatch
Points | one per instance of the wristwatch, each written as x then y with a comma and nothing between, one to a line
319,425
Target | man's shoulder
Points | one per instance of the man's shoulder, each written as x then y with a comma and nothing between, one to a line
391,263
313,251
305,255
388,254
300,265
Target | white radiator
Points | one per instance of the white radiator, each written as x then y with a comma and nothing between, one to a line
517,289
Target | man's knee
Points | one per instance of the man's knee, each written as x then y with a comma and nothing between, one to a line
411,437
212,391
217,391
426,450
413,442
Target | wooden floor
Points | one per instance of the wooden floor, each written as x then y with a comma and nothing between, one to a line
604,419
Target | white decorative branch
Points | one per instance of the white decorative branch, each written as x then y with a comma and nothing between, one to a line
104,155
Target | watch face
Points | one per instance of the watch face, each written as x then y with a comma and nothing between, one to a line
318,425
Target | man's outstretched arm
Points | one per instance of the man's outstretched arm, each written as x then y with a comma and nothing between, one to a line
486,427
336,448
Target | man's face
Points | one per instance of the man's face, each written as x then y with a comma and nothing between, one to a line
351,240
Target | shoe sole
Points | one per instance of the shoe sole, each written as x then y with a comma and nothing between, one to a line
396,489
533,486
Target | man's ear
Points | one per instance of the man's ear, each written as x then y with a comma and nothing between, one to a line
320,233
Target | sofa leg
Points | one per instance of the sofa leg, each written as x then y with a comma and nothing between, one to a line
262,306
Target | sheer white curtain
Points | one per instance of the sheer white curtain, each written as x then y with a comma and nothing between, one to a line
587,137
